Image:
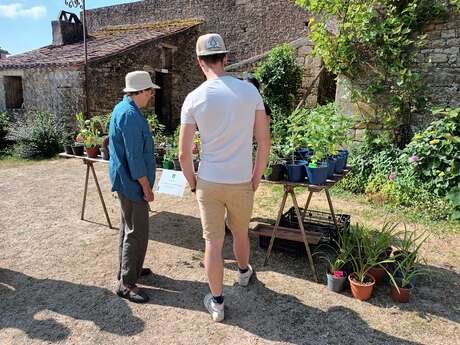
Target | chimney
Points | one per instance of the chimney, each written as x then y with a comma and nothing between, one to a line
67,29
3,53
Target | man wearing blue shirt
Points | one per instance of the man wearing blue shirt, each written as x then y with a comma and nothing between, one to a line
132,172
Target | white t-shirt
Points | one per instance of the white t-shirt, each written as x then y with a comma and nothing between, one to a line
224,111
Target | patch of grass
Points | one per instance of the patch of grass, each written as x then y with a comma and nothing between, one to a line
9,161
268,201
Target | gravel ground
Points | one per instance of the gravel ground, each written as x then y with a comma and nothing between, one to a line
57,277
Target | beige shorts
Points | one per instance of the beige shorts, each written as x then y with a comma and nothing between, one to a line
215,198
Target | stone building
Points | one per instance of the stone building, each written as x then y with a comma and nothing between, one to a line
159,35
52,78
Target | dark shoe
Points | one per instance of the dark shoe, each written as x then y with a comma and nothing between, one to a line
146,271
129,294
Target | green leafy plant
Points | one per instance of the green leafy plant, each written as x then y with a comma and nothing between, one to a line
89,134
435,152
407,270
4,122
37,135
367,250
407,260
102,123
454,197
323,129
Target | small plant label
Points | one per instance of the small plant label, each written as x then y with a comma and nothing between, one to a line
172,182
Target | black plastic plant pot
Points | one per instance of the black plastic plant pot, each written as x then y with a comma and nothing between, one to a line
344,153
303,153
105,153
296,171
340,164
78,150
277,173
68,149
176,164
331,167
318,175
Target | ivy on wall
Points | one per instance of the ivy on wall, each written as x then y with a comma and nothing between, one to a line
375,44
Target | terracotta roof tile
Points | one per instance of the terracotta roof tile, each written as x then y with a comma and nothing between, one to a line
101,44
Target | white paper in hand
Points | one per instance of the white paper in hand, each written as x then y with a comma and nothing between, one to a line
172,182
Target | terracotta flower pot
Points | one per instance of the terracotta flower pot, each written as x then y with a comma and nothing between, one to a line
92,152
361,291
402,296
378,273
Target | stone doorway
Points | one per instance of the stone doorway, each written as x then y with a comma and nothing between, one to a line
163,98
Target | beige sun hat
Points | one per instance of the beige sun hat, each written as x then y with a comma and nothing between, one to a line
138,81
210,44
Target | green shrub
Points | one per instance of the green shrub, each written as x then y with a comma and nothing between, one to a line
281,79
37,135
435,152
4,122
418,177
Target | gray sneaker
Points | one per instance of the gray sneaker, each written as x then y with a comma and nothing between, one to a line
243,278
216,310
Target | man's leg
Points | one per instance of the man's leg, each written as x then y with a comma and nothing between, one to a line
141,224
239,203
241,248
133,248
214,265
212,211
120,242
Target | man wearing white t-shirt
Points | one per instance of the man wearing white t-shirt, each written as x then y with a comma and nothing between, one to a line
228,113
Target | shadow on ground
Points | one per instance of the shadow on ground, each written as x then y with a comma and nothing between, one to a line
271,315
22,297
435,294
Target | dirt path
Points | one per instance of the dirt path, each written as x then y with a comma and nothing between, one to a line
57,277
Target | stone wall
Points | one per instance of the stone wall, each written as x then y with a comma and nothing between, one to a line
249,27
58,90
174,53
440,60
313,79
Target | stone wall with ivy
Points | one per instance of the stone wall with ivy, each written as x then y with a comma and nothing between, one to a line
249,27
438,63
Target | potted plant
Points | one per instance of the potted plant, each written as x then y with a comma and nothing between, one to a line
381,248
364,256
168,159
295,139
404,279
275,167
336,275
89,136
102,123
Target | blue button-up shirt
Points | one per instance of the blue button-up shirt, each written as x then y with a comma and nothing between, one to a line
131,150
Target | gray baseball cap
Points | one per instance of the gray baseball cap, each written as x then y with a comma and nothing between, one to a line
210,44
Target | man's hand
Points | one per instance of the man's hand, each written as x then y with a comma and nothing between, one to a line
146,189
148,195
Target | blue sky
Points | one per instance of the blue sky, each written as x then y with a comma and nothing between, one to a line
26,24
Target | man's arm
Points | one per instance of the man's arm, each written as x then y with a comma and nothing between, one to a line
133,141
262,135
148,194
186,136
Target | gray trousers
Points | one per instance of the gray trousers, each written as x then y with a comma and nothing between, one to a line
133,241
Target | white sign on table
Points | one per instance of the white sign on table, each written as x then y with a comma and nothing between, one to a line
171,182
